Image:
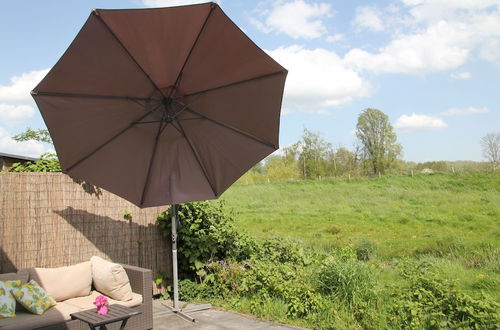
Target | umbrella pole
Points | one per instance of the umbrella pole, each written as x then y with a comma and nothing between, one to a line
175,278
175,271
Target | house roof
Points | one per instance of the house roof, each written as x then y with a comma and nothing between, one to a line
3,154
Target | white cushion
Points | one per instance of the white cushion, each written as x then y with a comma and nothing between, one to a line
64,282
110,279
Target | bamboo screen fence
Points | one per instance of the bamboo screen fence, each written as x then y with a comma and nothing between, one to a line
49,220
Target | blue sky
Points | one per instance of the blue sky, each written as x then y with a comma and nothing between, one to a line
433,66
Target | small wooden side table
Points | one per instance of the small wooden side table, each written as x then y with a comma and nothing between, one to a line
115,313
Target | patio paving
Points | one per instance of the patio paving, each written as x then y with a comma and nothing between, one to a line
207,319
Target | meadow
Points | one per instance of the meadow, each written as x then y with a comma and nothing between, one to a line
417,252
453,220
401,215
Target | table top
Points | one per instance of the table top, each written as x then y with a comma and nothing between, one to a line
115,313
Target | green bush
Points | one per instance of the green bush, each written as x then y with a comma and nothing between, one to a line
434,303
262,280
283,251
48,162
206,233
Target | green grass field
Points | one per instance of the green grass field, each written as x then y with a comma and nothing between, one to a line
453,219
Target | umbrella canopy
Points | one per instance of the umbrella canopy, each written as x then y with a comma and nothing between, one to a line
162,106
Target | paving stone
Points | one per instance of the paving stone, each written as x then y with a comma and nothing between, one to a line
208,319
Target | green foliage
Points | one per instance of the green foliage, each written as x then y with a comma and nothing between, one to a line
378,140
41,135
48,162
282,250
127,215
433,303
206,233
347,279
254,175
344,162
282,168
314,151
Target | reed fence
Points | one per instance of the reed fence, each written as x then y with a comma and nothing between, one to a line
50,220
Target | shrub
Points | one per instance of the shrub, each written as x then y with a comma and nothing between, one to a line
431,302
348,280
206,233
283,251
48,162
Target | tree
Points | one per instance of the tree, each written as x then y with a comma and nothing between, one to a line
313,156
378,140
282,168
490,144
41,135
345,161
48,162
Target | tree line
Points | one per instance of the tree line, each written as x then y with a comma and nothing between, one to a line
375,152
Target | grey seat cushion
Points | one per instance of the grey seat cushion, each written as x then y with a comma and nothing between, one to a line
26,320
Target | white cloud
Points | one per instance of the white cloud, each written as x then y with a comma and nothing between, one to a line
431,35
465,111
432,11
335,38
369,17
297,18
416,122
18,91
171,3
461,75
437,48
26,148
11,113
318,78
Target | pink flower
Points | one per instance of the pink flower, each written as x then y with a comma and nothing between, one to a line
102,305
102,310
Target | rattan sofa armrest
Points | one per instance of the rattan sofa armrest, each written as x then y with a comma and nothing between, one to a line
140,280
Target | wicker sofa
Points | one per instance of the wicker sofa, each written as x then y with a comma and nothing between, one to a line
58,317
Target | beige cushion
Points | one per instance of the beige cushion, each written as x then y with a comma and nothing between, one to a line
65,282
110,279
25,320
84,303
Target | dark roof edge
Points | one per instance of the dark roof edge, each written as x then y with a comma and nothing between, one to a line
3,154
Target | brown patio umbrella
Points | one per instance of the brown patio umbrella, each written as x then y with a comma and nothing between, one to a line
162,106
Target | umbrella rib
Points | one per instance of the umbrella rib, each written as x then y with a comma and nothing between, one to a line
179,75
97,96
233,83
96,13
197,156
237,130
111,139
